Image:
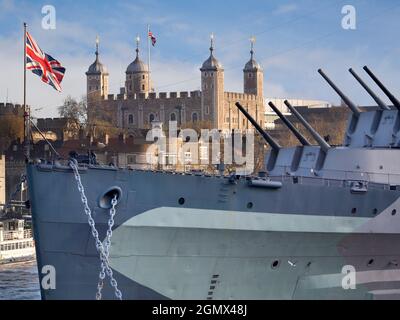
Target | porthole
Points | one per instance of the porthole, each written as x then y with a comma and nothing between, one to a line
181,201
370,262
354,210
275,264
249,205
394,211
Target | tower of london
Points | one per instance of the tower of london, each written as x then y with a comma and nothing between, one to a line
138,105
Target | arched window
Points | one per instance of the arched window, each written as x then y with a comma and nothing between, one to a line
172,116
142,86
151,117
130,119
143,77
194,117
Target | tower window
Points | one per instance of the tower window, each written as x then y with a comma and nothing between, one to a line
249,75
90,88
143,87
143,77
212,73
151,117
130,119
205,74
207,110
194,117
173,117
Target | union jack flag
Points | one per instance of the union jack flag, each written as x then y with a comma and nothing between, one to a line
42,64
153,38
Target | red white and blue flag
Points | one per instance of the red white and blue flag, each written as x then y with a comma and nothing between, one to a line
42,64
152,38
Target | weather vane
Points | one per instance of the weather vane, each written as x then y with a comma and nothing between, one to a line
252,41
97,44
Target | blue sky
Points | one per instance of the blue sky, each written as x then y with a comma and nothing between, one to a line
294,39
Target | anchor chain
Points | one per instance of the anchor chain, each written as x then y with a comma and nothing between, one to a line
103,250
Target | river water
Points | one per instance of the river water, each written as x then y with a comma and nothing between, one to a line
19,281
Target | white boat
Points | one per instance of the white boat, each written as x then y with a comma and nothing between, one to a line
16,242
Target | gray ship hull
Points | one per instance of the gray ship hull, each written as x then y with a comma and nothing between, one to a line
224,240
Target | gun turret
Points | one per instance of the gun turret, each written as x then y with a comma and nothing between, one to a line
322,143
291,127
380,103
356,111
391,97
274,145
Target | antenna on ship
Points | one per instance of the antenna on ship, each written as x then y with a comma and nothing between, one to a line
391,97
274,145
322,143
380,103
356,111
290,125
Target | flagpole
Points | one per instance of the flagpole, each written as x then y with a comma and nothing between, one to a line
148,57
26,109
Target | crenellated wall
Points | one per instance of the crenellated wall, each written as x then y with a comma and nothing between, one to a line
155,95
11,109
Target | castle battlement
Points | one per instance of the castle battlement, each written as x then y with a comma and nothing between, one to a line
44,123
155,95
240,96
11,108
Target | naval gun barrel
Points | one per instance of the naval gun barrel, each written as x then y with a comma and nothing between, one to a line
290,125
322,143
391,97
274,145
346,100
380,103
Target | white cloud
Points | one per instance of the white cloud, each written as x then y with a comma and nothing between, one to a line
286,8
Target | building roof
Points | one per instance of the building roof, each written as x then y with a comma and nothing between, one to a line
211,63
252,64
96,67
137,66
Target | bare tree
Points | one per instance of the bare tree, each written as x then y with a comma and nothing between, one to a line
74,110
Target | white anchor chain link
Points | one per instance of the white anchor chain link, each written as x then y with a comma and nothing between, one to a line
103,250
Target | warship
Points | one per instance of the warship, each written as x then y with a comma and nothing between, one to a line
319,215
